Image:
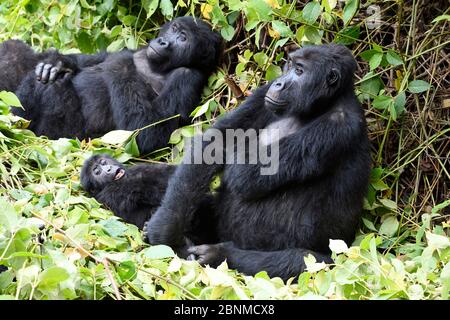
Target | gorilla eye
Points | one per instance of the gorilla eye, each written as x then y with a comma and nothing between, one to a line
298,68
103,162
182,37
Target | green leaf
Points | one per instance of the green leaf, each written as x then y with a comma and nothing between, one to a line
150,6
10,99
166,8
8,216
126,271
273,72
393,58
116,137
159,252
382,102
375,60
348,35
282,28
350,9
389,203
260,58
311,12
400,102
436,241
114,227
441,18
418,86
132,147
389,226
51,277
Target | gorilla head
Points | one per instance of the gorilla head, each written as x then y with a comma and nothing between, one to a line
98,171
312,77
185,42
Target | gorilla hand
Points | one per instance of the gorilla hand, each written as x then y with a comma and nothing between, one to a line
47,72
211,254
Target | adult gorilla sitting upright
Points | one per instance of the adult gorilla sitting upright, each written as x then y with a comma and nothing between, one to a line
88,95
270,222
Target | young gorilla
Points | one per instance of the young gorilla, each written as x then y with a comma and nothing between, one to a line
271,222
132,193
136,192
88,95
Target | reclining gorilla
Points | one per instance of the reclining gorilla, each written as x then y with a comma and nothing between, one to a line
136,192
86,96
270,222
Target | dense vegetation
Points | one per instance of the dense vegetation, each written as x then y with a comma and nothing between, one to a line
402,249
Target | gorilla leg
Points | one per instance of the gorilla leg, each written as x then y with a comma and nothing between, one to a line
283,263
16,60
54,108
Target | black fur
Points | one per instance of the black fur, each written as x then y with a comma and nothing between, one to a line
135,196
86,96
270,222
138,193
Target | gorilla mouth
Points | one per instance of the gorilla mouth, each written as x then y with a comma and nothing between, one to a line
155,51
119,174
275,102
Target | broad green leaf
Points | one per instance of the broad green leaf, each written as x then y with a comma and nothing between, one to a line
311,12
338,246
375,60
8,216
159,252
10,99
436,241
418,86
350,9
393,58
273,72
282,28
51,277
126,271
441,18
150,6
166,8
382,102
116,137
389,226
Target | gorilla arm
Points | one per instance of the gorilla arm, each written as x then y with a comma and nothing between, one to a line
133,108
190,183
306,154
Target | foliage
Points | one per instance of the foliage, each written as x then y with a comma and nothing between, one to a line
83,252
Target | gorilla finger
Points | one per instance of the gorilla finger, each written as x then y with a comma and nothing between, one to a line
198,250
53,74
46,73
190,257
38,70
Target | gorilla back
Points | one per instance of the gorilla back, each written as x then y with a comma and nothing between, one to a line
87,96
271,222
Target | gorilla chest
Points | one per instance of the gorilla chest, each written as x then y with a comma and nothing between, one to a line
278,130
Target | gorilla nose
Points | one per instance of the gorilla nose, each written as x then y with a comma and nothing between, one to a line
162,42
279,85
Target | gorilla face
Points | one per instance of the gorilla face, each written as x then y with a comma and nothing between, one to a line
105,170
171,43
185,42
100,170
312,76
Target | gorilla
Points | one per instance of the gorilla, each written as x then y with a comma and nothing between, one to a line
86,96
271,222
136,192
133,193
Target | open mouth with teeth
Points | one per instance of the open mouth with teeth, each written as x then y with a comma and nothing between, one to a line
119,174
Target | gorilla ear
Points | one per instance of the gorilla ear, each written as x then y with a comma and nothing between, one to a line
333,76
